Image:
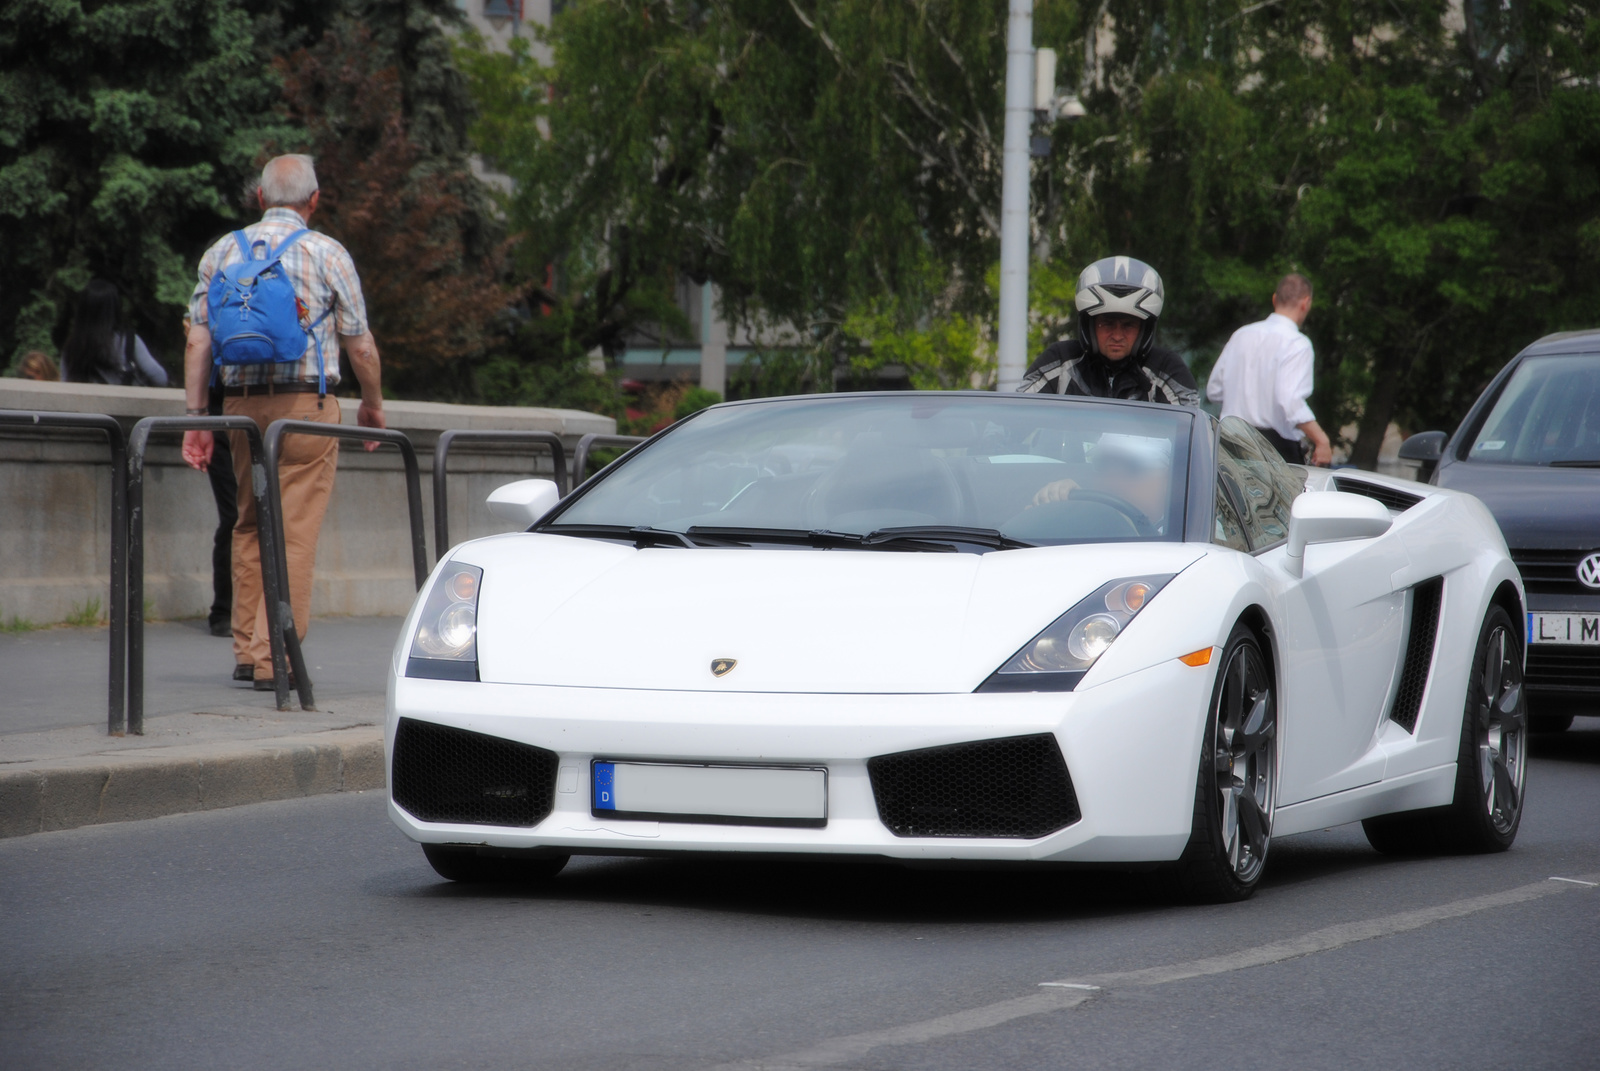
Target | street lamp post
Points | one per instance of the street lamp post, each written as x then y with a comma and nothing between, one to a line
1014,234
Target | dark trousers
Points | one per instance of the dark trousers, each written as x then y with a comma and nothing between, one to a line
1293,450
225,490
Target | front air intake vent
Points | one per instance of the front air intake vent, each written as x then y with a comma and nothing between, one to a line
1015,787
1399,501
442,774
1419,653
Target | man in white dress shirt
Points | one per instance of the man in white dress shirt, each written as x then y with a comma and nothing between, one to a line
1264,376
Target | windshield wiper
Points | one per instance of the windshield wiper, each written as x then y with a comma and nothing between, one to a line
992,538
640,536
934,537
1585,463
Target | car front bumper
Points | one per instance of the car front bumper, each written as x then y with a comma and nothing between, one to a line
1131,747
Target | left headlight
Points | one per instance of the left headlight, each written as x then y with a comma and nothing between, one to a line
445,646
1056,659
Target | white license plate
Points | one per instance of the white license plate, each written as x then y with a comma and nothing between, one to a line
1573,629
727,795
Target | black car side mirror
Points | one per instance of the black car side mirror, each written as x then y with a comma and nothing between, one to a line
1425,446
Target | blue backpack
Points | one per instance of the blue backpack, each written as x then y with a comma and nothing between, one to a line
254,313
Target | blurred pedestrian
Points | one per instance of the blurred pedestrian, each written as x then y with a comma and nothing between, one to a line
37,365
1264,374
102,349
225,493
332,312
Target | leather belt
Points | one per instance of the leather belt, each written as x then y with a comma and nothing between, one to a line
259,390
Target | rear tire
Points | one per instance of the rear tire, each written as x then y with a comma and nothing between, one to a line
460,862
1491,763
1236,790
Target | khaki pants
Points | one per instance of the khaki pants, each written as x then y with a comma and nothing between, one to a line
305,476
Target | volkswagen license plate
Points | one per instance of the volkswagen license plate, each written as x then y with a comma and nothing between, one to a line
723,795
1572,629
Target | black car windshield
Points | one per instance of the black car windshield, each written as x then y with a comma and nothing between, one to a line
900,471
1548,414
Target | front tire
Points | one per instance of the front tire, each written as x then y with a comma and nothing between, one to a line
1236,791
465,863
1491,764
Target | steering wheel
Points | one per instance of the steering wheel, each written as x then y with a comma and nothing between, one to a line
1141,523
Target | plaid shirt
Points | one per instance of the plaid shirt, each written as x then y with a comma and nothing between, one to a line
323,276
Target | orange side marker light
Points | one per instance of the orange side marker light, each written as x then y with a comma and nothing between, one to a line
1202,657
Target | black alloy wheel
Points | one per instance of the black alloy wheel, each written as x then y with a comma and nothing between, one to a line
1237,788
467,863
1491,765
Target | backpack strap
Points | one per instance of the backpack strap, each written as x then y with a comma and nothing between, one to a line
283,246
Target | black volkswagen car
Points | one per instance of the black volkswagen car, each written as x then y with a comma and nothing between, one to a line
1530,449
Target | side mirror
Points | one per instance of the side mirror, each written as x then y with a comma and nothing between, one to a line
1331,517
523,502
1425,446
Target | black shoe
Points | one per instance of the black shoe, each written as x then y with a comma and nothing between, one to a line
221,628
244,672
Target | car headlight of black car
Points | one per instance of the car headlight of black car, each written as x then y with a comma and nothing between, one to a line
445,646
1056,659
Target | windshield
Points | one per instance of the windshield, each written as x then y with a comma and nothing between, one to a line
1548,414
1035,470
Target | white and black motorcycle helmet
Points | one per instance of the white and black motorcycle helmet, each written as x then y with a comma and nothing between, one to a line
1119,285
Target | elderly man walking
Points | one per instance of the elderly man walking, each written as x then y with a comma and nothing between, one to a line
1264,376
331,312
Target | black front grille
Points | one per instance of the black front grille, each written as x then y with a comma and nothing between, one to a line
1016,787
1419,652
1551,572
1563,669
443,774
1393,499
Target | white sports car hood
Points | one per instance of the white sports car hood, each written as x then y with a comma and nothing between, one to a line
557,610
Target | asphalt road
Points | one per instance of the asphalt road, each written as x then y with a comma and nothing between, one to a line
312,934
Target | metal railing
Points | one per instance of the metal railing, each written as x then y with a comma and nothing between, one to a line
441,476
266,529
593,441
281,623
116,677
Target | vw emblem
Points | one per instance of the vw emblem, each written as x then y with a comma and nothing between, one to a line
1589,571
721,667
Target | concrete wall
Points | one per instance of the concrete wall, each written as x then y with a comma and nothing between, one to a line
55,495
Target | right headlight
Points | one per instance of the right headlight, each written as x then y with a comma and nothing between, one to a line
445,645
1056,659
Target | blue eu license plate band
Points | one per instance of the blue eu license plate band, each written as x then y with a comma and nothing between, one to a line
706,793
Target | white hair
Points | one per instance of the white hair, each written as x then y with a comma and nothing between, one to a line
288,181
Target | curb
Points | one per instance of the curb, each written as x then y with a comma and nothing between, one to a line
131,786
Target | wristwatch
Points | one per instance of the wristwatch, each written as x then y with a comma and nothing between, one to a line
202,411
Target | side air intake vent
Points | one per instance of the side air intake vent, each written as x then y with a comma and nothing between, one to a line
443,774
1393,499
1015,787
1419,652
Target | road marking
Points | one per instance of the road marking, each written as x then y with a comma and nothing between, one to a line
1332,937
844,1050
1059,996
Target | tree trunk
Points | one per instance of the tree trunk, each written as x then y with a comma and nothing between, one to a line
1387,372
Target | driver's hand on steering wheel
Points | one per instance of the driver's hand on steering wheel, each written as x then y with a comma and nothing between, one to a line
1054,492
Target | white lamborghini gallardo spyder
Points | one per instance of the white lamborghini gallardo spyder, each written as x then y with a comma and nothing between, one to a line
936,626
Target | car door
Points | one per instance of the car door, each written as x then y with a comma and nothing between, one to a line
1341,626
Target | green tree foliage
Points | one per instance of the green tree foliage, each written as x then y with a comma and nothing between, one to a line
1435,180
126,131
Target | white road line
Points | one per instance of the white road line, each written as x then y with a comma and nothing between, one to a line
1058,996
1331,937
843,1050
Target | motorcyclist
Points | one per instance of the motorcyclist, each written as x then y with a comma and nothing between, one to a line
1119,303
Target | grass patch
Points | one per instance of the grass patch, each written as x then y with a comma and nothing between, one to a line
86,615
17,624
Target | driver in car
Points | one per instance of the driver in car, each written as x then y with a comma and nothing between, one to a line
1137,469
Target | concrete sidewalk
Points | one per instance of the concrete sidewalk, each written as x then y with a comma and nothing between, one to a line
209,742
